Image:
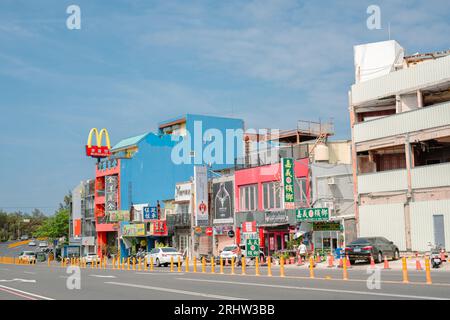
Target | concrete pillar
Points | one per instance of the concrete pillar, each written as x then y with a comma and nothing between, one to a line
353,120
409,193
398,104
419,99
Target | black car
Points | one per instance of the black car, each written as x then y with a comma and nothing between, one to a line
376,247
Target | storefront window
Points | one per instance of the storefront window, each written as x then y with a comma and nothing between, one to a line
248,197
271,195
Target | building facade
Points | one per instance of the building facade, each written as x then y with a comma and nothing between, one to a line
400,119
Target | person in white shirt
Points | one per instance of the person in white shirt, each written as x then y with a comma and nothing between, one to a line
302,250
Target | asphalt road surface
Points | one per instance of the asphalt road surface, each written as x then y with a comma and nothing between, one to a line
43,282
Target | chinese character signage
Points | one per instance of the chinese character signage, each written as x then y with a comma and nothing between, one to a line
252,247
110,193
158,228
287,165
312,214
150,213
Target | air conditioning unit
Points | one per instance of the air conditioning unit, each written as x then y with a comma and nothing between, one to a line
331,181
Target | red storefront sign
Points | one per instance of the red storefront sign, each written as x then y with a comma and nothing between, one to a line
249,227
209,231
158,228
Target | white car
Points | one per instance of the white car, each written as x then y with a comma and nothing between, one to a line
162,256
32,243
230,252
43,244
27,256
91,258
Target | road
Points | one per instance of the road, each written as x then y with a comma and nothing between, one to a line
43,282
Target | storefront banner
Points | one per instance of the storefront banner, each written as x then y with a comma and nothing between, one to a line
288,177
158,228
327,226
133,230
249,227
222,230
119,215
223,202
201,196
150,213
88,241
312,214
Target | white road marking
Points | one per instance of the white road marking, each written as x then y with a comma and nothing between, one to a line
190,293
162,272
29,272
101,276
18,280
22,293
318,289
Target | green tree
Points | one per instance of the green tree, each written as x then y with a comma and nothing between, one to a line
56,226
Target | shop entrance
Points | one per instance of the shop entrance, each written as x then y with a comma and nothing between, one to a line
275,241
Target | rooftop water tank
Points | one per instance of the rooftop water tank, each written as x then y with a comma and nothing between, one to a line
321,152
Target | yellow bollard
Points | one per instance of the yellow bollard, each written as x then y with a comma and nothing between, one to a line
114,263
269,266
128,264
151,263
243,265
134,263
171,264
62,262
203,265
139,264
105,264
232,265
257,266
213,269
311,268
195,264
179,264
123,263
221,265
187,264
145,264
344,269
405,271
427,270
282,267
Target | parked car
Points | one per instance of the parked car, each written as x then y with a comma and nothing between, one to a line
24,237
230,252
32,243
27,256
91,258
376,247
43,244
162,256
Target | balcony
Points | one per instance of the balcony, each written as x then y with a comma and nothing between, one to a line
403,81
179,220
385,181
431,176
402,123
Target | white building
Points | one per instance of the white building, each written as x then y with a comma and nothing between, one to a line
400,118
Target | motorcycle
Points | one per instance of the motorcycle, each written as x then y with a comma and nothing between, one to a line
435,257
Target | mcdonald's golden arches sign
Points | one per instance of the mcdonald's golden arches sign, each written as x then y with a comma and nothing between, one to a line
98,150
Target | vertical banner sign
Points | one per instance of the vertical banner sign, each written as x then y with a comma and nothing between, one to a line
288,183
252,247
110,193
201,196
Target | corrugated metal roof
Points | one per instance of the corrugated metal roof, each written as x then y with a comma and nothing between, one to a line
128,142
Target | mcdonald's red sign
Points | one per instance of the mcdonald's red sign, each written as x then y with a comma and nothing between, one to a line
98,150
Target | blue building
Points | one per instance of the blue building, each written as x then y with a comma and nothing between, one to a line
152,163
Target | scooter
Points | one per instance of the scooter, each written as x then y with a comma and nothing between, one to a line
435,258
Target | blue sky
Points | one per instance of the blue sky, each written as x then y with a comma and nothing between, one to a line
135,63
